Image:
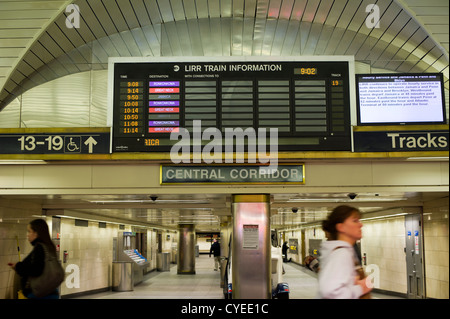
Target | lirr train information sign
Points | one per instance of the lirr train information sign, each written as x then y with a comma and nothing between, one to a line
308,102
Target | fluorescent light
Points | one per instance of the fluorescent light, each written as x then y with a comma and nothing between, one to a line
345,200
21,162
145,201
319,200
385,216
117,201
104,221
437,158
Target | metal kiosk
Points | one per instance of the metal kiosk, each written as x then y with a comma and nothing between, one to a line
128,264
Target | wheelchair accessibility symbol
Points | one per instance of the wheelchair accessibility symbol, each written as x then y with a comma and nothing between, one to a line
72,144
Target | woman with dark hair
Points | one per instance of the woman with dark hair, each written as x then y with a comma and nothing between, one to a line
33,265
339,276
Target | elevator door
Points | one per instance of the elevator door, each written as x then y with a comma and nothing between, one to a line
414,256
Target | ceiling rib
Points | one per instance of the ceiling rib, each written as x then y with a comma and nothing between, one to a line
403,43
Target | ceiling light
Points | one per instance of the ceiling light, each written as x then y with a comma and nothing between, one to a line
385,216
145,201
360,198
437,158
301,200
21,162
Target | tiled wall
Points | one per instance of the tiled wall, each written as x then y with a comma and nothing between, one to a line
435,221
152,249
384,242
90,250
14,218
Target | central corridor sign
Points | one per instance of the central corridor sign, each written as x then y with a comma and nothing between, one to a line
232,174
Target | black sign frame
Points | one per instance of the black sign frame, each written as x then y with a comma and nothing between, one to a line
55,143
401,141
334,138
360,77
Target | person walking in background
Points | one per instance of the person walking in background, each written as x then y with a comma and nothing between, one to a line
339,277
284,251
215,250
33,265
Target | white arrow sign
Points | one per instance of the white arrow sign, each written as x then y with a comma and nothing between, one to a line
91,142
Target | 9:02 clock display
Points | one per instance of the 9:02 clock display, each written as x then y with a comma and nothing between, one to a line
308,71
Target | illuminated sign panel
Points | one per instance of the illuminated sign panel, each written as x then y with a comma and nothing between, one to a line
232,174
25,142
400,98
307,101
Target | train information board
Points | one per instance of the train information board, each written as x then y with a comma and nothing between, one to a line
308,102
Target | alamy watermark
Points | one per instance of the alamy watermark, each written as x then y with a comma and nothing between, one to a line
373,19
73,277
373,277
73,19
233,149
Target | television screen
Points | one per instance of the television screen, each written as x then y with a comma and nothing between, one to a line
390,99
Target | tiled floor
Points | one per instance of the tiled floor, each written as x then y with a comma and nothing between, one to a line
205,284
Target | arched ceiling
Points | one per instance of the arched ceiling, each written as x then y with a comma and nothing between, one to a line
36,46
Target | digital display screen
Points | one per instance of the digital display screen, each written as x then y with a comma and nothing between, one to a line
400,99
308,102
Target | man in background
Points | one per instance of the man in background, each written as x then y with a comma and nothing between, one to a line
215,250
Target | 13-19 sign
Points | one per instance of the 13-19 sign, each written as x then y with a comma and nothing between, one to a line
55,143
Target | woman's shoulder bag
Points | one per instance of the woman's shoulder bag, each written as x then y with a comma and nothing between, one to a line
50,279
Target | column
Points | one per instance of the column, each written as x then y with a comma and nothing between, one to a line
226,230
251,257
186,249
